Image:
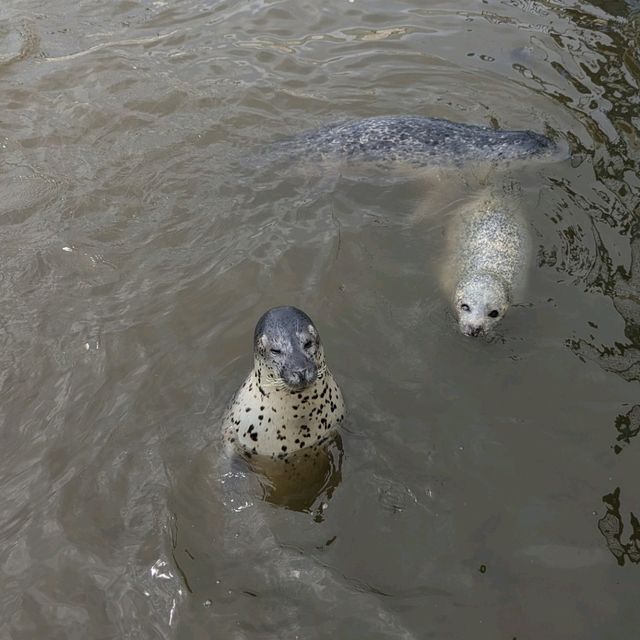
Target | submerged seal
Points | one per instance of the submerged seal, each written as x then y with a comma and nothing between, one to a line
486,259
417,141
289,406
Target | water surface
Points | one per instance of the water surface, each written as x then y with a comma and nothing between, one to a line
487,488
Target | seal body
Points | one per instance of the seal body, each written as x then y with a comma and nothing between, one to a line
417,141
486,260
289,406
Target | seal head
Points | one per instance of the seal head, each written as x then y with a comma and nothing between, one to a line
287,347
289,407
481,300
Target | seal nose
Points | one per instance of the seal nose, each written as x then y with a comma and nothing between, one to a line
301,376
474,332
305,376
310,374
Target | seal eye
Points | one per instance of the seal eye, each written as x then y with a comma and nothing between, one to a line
494,314
465,307
308,344
276,351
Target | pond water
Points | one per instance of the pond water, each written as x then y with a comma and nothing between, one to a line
486,488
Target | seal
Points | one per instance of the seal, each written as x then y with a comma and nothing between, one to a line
417,141
487,251
289,406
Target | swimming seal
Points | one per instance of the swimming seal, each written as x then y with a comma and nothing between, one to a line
487,252
417,141
289,405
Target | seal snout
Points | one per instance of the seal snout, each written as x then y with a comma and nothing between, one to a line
473,331
300,377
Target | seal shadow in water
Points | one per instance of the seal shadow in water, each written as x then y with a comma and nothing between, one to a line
240,578
304,483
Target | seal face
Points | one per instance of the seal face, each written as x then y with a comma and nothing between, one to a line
289,405
480,301
488,249
288,346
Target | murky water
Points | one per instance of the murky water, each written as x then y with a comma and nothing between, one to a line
486,489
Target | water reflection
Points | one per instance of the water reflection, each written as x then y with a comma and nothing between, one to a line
623,286
242,580
304,483
611,527
627,426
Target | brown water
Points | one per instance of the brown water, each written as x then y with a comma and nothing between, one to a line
139,247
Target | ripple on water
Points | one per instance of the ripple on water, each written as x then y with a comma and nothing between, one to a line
19,39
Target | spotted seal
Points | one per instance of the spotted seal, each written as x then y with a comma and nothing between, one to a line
289,405
418,141
485,265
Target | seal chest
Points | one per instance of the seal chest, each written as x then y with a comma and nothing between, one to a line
486,259
289,405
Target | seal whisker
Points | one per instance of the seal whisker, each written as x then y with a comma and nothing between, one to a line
275,384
